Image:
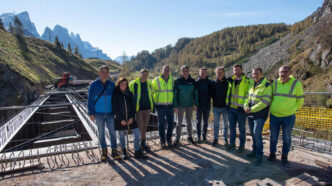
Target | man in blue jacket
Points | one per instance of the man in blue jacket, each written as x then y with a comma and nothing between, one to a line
100,109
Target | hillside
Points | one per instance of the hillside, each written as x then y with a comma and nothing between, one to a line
224,47
96,63
26,67
40,61
306,46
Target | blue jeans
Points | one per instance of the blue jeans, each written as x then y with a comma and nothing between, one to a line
287,124
256,127
216,122
237,116
165,112
205,112
101,120
137,139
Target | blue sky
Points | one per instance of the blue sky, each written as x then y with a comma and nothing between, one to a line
131,26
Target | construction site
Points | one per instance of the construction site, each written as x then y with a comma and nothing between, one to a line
54,142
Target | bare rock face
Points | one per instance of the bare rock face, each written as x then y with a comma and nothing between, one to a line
314,56
326,58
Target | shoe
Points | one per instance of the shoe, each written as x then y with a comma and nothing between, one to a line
103,154
258,161
198,139
140,154
240,149
124,153
251,155
215,143
204,139
272,158
226,143
190,139
284,160
115,154
169,144
176,143
163,145
145,147
230,147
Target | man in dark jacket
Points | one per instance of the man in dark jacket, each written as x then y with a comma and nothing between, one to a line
204,102
220,91
185,101
100,109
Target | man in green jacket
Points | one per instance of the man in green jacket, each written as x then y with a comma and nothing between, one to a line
287,99
142,91
185,101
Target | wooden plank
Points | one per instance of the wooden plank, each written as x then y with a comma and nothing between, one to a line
252,182
268,182
323,164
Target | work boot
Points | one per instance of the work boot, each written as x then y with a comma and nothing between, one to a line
240,149
199,139
169,144
115,154
140,154
204,139
103,154
163,145
145,147
284,160
124,153
176,143
215,143
251,155
230,147
272,158
226,143
190,139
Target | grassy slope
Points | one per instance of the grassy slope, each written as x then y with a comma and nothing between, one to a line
40,61
96,63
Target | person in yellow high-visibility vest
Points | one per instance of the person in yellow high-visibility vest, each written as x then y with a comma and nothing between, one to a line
240,86
257,108
142,91
163,99
286,100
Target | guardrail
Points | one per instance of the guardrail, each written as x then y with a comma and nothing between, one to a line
9,129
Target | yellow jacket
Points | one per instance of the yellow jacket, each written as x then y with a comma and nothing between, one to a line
287,98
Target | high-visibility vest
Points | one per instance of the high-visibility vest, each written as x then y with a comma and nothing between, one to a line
162,91
135,88
239,93
260,96
287,97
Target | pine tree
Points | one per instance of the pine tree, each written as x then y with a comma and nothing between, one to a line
76,51
69,47
18,27
11,28
1,25
57,42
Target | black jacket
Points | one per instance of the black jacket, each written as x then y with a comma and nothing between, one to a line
124,108
204,87
219,93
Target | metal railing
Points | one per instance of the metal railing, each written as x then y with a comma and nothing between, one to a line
8,130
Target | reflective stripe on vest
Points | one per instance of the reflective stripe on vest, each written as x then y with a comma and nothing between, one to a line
167,90
289,95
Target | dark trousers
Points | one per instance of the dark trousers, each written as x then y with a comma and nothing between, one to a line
205,113
165,114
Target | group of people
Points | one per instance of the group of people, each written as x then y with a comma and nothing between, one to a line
127,106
